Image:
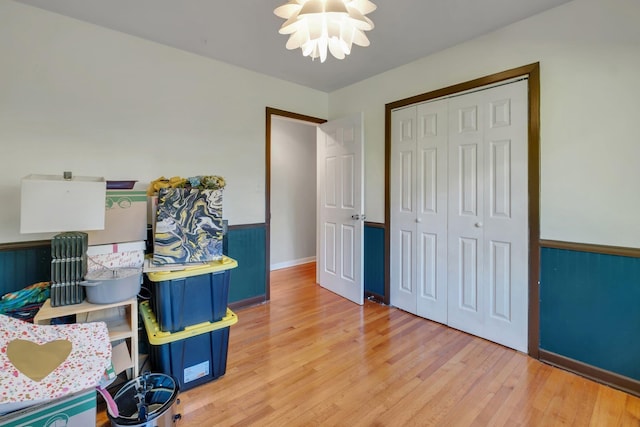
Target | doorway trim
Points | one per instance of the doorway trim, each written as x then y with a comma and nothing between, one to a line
532,71
270,112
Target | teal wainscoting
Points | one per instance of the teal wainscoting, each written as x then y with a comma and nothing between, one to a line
590,309
374,260
246,244
22,267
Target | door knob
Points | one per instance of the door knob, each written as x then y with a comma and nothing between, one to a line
478,224
418,220
355,217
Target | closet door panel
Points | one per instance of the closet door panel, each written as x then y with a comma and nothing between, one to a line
465,219
506,215
431,217
488,211
404,207
500,286
428,266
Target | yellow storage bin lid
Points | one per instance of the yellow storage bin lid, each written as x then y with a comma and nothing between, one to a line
158,337
217,266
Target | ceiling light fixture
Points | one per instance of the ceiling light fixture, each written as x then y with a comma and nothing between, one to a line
318,25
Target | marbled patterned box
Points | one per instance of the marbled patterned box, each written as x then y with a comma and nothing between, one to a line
189,226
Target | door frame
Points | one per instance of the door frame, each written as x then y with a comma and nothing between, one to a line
269,113
532,71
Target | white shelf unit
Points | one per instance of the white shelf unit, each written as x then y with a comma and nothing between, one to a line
121,319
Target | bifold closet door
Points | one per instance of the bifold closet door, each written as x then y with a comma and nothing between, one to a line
488,214
419,210
459,206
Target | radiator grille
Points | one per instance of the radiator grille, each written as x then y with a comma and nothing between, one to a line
68,267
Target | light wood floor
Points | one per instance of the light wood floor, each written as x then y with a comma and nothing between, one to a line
311,358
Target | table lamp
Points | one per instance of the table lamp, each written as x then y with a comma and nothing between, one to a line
69,205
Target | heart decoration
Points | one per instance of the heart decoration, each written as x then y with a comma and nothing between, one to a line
36,361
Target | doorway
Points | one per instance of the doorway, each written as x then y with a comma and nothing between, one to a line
293,192
272,115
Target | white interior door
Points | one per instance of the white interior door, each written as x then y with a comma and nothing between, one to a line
488,214
340,207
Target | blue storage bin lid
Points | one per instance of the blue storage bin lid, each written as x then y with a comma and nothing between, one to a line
158,337
217,266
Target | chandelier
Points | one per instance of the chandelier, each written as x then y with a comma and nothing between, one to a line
318,25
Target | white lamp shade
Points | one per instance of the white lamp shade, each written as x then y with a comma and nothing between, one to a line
50,203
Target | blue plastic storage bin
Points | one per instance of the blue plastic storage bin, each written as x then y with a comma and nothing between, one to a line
193,361
191,296
193,356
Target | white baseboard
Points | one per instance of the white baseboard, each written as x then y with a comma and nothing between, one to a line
293,263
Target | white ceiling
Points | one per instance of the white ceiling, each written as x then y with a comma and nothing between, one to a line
245,32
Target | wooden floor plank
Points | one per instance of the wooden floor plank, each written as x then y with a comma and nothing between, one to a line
311,358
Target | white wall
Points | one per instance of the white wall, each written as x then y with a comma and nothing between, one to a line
589,54
293,192
74,96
